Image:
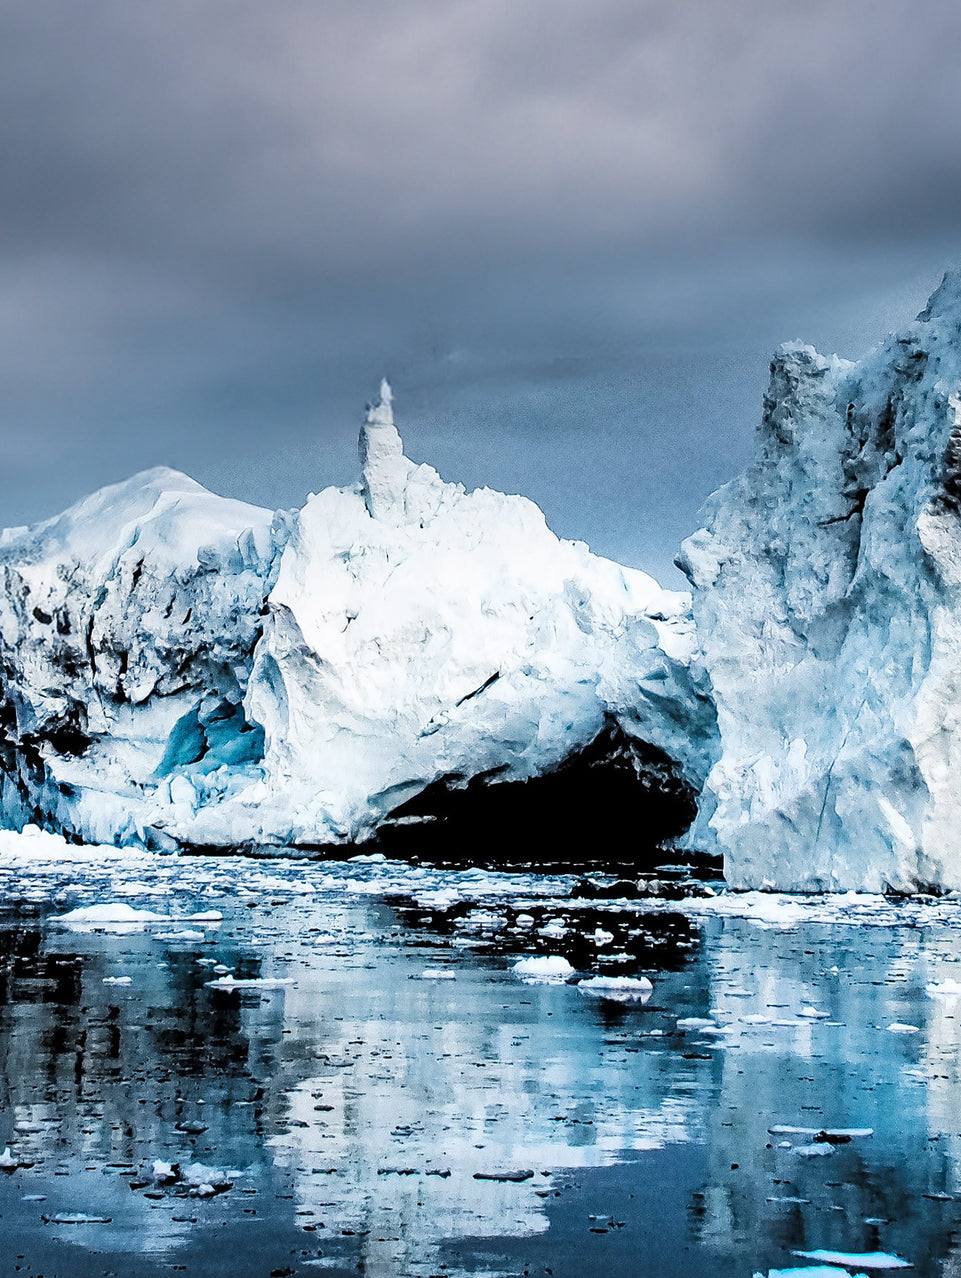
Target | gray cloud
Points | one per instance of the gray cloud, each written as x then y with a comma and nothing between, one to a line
556,224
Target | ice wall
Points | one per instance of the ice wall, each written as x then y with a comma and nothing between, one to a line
826,595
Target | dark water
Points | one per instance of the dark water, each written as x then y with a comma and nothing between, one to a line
351,1109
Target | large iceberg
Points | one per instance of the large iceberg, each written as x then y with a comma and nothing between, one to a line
826,595
181,669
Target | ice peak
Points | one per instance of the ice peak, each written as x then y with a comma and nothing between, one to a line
946,298
385,468
382,413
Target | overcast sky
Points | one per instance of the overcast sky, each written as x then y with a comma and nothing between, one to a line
570,231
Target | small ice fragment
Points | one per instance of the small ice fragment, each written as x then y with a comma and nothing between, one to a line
897,1027
163,1173
251,982
841,1134
7,1161
755,1018
809,1271
601,937
867,1260
515,1176
693,1023
437,974
205,916
813,1013
553,930
185,934
75,1218
117,980
547,967
814,1151
620,989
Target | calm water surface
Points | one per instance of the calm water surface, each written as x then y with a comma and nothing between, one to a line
352,1105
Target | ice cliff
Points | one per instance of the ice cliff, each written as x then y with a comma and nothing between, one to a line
177,668
827,596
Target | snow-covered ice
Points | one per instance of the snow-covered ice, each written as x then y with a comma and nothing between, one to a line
183,668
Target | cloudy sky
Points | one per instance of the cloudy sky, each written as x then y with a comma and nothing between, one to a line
570,231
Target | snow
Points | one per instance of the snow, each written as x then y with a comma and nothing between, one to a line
826,600
189,669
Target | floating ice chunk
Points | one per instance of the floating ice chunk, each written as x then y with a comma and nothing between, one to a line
619,989
76,1218
814,1151
807,1271
828,1133
437,974
548,967
250,982
943,989
206,916
117,980
694,1023
514,1176
553,931
765,908
164,1173
897,1027
7,1161
867,1260
813,1013
185,934
112,916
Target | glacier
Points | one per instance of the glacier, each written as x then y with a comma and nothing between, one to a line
826,595
179,669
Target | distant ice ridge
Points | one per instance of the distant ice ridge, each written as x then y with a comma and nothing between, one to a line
178,668
826,595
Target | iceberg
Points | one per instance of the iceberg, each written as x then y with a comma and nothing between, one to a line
180,669
826,595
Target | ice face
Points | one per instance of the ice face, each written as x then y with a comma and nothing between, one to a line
181,668
826,598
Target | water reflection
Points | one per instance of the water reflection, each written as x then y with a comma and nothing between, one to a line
353,1108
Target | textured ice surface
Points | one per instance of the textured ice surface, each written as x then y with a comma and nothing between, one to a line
826,595
181,668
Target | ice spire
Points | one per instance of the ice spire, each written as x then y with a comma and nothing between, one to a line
385,468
